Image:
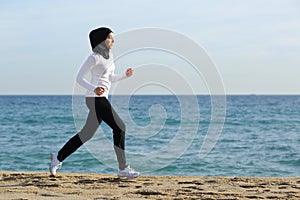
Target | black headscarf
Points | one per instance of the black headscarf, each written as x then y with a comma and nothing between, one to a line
97,38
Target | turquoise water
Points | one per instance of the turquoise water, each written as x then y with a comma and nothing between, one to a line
260,137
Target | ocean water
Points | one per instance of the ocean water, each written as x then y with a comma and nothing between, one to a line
260,136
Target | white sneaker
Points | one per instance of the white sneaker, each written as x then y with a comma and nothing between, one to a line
128,172
55,164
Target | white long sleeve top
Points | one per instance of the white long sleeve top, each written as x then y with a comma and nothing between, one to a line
102,74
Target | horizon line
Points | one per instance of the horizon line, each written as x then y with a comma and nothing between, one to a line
203,94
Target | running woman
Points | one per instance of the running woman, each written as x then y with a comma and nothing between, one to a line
101,66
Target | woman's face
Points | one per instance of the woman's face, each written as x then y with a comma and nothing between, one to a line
109,40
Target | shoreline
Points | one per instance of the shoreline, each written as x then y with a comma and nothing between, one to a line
40,185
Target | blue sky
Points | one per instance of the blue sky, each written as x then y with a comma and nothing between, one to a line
254,43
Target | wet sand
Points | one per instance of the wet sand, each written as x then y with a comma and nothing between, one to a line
37,185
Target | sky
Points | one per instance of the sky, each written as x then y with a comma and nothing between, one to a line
255,44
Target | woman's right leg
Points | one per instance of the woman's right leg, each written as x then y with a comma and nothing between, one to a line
86,133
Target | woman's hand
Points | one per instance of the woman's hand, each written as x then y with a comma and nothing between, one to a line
129,72
99,91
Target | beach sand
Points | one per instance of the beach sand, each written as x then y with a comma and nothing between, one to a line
37,185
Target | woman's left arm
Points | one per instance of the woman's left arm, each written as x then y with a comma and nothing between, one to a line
118,77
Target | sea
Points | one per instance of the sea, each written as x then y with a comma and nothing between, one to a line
257,136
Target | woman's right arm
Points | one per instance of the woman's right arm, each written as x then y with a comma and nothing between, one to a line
86,66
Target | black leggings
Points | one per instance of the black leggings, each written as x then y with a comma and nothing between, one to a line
99,109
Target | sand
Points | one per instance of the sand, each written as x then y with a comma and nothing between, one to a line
37,185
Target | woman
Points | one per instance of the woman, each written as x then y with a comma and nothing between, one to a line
101,66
